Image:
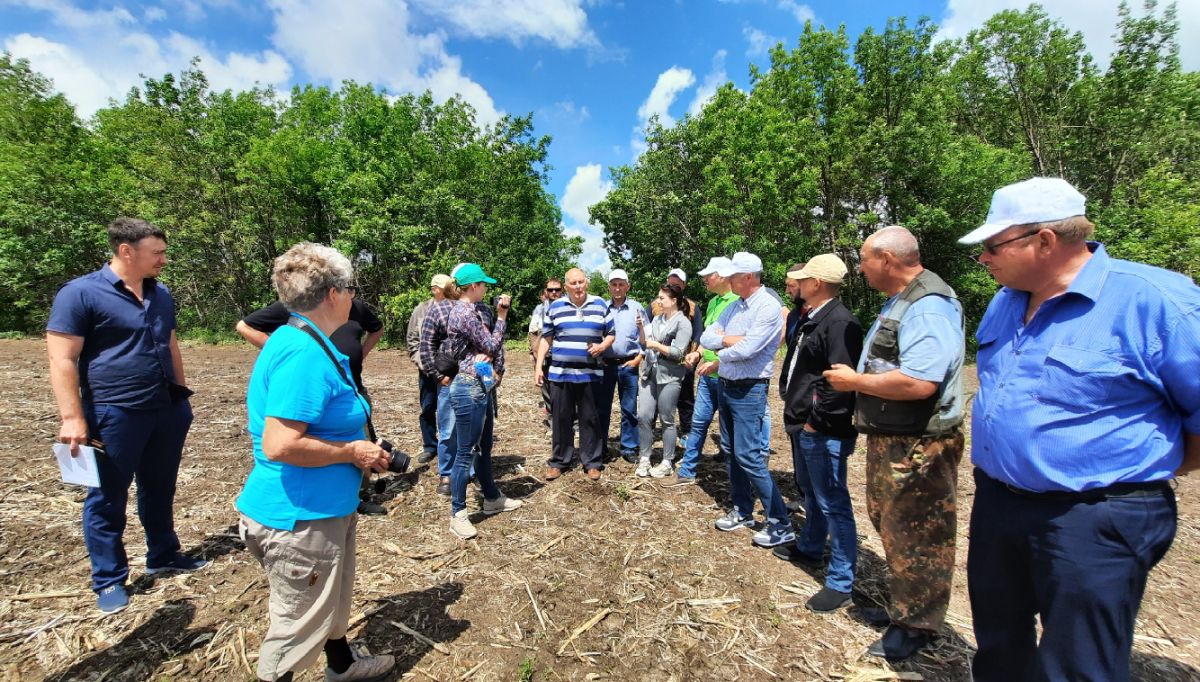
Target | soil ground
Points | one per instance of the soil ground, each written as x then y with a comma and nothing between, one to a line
620,579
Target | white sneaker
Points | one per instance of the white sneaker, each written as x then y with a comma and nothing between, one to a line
500,504
662,470
461,526
363,668
643,469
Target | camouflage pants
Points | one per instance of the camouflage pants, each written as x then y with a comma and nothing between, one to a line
911,500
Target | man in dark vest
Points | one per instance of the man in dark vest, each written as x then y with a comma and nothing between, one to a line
910,405
819,422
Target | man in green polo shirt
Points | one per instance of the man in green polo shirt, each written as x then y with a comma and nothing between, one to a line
708,388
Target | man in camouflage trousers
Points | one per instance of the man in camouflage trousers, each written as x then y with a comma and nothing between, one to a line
910,405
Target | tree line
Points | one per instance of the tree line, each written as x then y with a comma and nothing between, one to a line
830,142
406,187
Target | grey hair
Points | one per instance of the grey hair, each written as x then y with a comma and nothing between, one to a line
1073,230
897,241
306,272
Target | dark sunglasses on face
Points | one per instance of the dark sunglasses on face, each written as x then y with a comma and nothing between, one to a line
553,290
993,249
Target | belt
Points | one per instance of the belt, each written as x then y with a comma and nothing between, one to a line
740,383
619,361
1147,489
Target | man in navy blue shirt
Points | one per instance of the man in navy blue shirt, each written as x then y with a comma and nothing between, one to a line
1088,405
118,379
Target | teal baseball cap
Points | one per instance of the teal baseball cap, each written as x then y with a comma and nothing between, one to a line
470,273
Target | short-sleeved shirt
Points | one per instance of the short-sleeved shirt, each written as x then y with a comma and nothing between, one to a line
1098,388
716,305
347,338
572,329
126,356
628,340
294,379
932,346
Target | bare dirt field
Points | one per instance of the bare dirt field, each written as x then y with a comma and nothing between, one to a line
622,579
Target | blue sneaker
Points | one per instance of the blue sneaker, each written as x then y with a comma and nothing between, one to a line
774,534
733,521
180,564
112,599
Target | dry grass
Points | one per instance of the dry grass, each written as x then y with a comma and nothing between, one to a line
620,579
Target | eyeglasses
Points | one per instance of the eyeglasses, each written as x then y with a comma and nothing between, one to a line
993,249
553,290
352,290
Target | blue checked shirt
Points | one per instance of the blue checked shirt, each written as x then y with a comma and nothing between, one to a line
1099,388
759,319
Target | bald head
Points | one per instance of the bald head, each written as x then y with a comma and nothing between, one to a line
577,286
897,241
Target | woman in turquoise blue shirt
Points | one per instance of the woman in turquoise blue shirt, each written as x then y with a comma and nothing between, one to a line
307,423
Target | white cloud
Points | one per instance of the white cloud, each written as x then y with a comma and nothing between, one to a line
715,79
1097,21
668,86
153,14
100,54
585,189
802,13
375,44
568,112
759,44
561,22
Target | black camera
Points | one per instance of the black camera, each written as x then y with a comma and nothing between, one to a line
496,302
398,461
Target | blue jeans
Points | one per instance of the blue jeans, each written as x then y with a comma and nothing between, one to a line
820,465
1078,567
708,402
427,390
145,445
446,446
743,409
625,381
473,436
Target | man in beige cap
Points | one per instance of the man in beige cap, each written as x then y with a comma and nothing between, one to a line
427,386
820,423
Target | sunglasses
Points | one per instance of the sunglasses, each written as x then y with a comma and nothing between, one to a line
553,290
993,249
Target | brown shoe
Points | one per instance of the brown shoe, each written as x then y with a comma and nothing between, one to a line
594,474
552,473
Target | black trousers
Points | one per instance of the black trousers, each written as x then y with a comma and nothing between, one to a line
571,400
687,401
1080,567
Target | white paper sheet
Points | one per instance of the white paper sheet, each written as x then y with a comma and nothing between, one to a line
79,470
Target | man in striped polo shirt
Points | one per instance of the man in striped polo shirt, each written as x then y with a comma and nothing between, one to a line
575,332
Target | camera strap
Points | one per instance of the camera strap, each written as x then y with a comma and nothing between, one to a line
303,326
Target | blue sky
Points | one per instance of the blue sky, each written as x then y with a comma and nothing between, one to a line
591,71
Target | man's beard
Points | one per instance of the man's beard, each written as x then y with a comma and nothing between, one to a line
798,300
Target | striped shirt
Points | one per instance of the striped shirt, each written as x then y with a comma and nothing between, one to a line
571,329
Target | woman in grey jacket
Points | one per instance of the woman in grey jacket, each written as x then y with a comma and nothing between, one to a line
661,377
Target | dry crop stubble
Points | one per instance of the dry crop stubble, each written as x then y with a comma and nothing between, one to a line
624,578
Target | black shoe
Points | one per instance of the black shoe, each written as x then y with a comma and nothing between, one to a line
443,489
789,552
630,456
874,615
368,508
827,600
426,456
899,643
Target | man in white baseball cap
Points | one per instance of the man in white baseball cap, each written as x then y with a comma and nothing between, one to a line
621,362
745,338
1088,406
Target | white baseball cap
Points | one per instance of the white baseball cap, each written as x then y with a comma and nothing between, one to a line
678,273
1036,200
618,274
742,261
714,265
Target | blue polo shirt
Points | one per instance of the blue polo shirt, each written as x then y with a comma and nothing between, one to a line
628,340
1101,385
126,356
572,328
294,379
